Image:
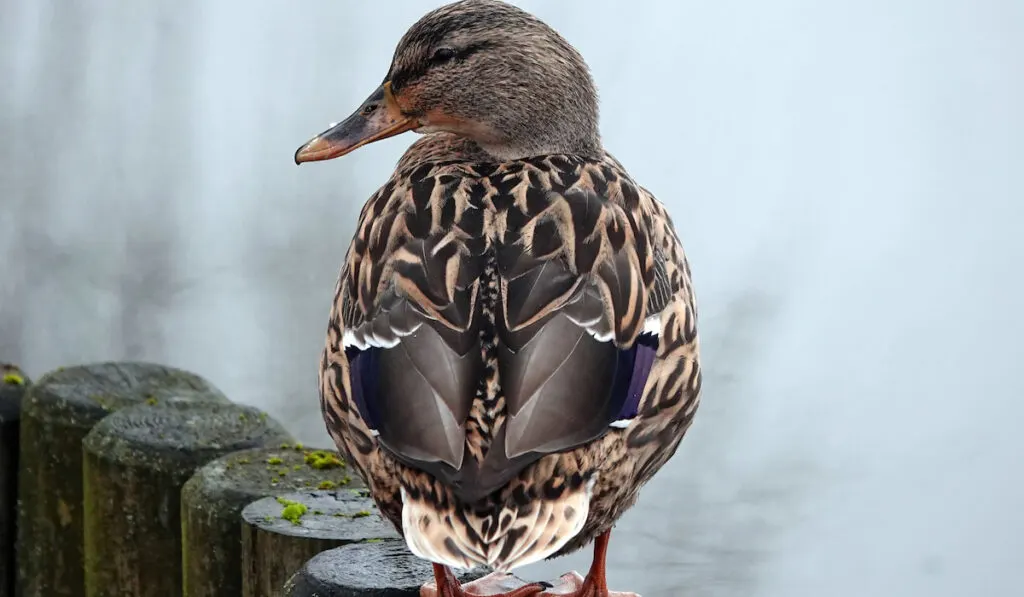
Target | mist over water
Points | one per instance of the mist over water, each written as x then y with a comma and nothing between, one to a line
847,179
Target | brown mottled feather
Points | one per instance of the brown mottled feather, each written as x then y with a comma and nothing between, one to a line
482,255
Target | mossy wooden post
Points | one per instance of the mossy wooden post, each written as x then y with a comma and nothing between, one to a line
213,499
59,410
279,534
12,389
135,463
384,569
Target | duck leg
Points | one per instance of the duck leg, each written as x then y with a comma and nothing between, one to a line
595,584
495,584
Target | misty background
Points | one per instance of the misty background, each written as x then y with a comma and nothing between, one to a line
847,178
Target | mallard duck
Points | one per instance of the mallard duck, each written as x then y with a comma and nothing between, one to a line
512,350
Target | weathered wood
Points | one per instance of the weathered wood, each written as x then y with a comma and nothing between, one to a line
13,384
280,534
388,569
135,463
58,411
384,569
213,499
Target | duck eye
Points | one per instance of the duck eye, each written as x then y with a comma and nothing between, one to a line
442,55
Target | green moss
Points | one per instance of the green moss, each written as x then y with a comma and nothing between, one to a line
361,514
151,401
374,541
298,446
13,379
286,446
293,511
289,471
103,401
322,459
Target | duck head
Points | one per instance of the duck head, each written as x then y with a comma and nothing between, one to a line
484,70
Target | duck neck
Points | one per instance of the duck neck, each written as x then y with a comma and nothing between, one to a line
562,132
504,151
551,116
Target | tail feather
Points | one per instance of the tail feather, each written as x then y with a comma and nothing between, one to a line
462,539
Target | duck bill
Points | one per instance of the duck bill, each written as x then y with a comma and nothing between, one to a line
378,118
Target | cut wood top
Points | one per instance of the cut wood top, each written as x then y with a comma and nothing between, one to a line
82,395
344,515
384,569
258,472
180,434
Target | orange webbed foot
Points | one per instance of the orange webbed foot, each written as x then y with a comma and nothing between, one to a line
573,584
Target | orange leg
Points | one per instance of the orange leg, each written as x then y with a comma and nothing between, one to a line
596,583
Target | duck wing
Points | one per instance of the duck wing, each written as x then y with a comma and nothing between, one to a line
410,310
576,276
567,246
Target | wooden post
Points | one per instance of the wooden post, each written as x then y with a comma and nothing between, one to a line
12,388
280,534
385,569
213,499
135,463
58,411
